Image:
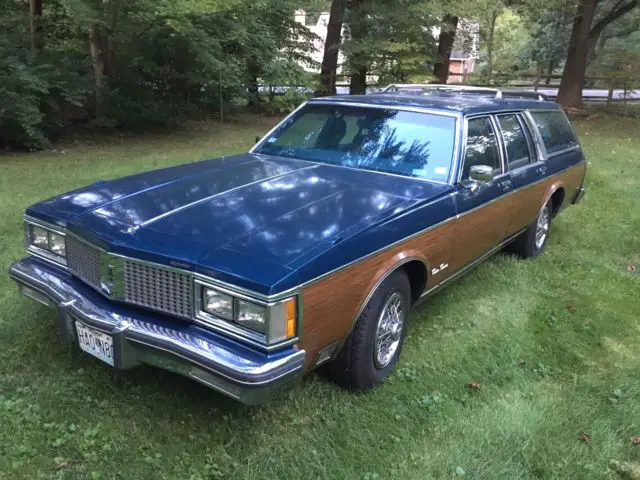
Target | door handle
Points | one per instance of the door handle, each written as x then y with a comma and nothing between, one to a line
541,170
505,184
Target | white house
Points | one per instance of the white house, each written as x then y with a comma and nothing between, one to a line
320,29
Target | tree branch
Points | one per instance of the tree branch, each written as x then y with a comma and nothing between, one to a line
613,15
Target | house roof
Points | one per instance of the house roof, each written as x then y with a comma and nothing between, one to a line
465,104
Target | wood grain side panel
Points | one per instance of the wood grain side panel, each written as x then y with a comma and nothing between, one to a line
331,304
570,180
480,230
526,205
530,200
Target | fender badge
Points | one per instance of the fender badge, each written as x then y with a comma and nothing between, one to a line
436,270
177,264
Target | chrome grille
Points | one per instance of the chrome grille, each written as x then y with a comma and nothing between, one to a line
157,288
83,261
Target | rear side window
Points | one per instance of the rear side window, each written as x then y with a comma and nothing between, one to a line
555,130
515,141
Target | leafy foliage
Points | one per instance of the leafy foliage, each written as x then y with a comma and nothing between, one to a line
395,41
135,64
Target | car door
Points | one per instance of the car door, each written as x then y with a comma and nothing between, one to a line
527,169
483,208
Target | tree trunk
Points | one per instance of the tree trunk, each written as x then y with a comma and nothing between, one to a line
445,45
97,62
252,86
102,50
110,49
35,9
547,80
358,64
358,82
492,31
331,49
570,92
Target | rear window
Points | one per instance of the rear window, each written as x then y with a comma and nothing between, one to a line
555,130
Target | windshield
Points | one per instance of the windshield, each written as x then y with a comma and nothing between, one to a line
386,140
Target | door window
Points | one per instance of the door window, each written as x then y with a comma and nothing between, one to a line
515,141
482,147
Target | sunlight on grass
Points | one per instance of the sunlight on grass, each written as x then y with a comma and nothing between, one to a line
500,376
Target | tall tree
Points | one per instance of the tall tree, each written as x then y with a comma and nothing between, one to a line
584,36
102,49
359,59
332,43
35,10
493,17
445,45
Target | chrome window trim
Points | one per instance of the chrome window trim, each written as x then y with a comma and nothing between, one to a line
563,151
443,113
537,137
493,122
383,106
502,149
277,125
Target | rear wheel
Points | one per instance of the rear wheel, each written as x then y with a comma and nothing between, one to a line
373,347
533,240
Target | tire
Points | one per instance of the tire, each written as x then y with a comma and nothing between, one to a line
528,244
358,365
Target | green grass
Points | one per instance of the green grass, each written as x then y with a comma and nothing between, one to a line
554,343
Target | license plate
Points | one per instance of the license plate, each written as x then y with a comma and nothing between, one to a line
95,343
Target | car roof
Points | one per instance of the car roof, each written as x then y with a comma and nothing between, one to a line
461,103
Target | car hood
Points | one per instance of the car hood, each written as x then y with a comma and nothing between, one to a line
251,218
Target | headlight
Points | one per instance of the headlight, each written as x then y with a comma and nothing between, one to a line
46,242
57,244
264,323
252,316
39,237
217,303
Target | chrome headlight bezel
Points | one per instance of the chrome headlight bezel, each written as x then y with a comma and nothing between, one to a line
46,241
280,318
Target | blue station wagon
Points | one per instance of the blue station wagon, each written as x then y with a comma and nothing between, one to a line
248,271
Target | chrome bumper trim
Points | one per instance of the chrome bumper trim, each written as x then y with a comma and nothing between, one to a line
578,196
143,337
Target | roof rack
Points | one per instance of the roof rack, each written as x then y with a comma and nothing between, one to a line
428,88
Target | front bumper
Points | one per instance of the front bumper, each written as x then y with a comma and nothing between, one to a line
142,337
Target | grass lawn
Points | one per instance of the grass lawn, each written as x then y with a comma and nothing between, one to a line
553,344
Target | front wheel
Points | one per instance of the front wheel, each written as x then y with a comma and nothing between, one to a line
373,347
533,240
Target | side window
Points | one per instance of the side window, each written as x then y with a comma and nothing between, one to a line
482,147
555,130
515,141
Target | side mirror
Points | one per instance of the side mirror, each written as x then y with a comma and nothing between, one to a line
481,173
